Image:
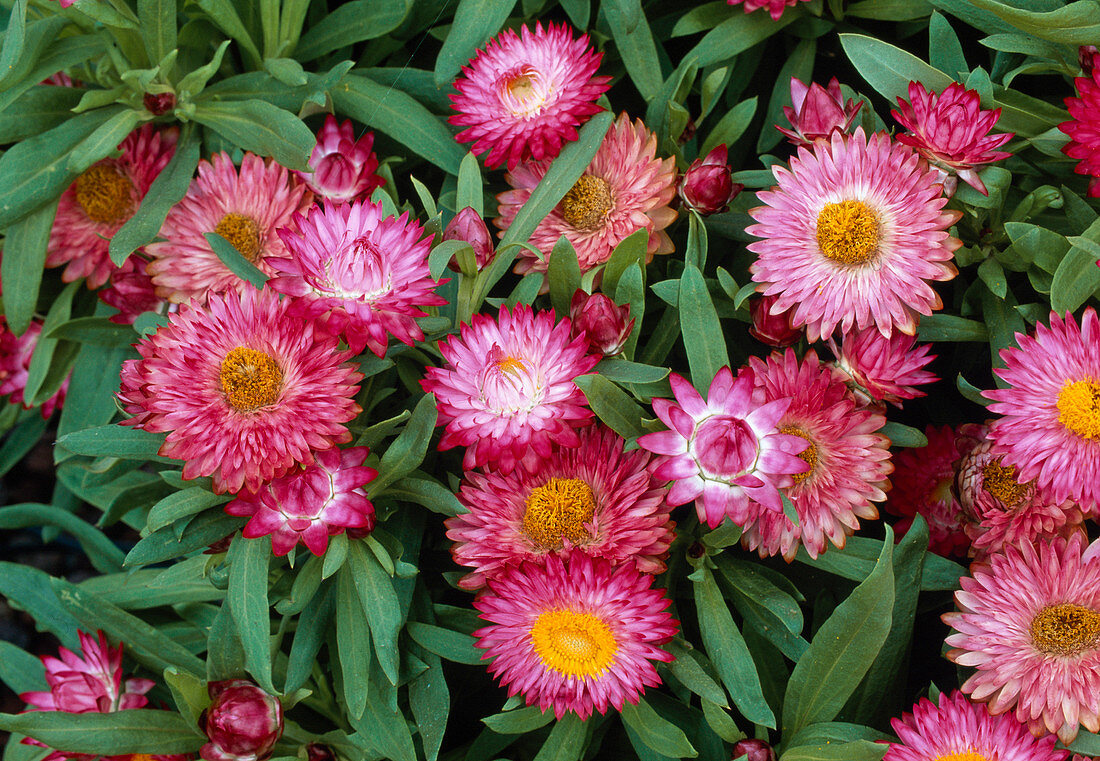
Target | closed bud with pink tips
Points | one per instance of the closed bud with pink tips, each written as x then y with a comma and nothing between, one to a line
602,322
817,111
707,187
243,723
468,226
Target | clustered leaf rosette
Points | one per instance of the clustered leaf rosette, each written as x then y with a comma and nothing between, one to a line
817,112
343,167
523,95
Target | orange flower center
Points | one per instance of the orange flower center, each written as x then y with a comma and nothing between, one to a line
999,482
587,203
511,365
1079,407
966,755
243,233
573,644
559,508
848,232
807,455
250,379
1065,629
104,193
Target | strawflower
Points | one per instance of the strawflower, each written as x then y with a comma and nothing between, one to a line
884,369
817,112
468,226
343,167
1083,128
775,7
605,325
707,186
243,722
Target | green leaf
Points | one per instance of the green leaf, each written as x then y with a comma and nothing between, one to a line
286,70
635,42
158,27
754,585
264,129
430,494
380,603
350,23
117,732
115,441
474,23
195,81
687,670
353,643
313,626
470,191
1075,24
237,262
386,731
225,17
800,64
20,670
224,656
890,69
944,49
566,740
612,405
190,695
1077,276
181,504
248,565
731,126
408,450
843,648
518,721
104,555
889,10
15,36
39,109
903,435
948,327
29,589
703,339
430,700
61,54
625,371
52,358
21,267
21,440
446,643
564,274
629,251
858,750
737,34
657,732
99,331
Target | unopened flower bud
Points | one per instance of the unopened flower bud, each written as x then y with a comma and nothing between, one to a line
468,226
319,752
159,103
773,329
243,723
605,324
707,186
753,750
817,112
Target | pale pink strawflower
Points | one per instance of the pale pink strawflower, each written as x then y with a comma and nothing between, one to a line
244,390
468,226
15,362
1029,624
245,208
358,273
524,95
594,497
726,451
343,167
817,112
849,462
1083,129
625,188
130,290
884,369
605,325
507,390
309,505
951,130
101,200
960,730
852,237
578,634
775,7
243,722
1050,431
775,330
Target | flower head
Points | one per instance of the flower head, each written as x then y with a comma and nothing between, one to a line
245,208
468,226
707,186
725,452
343,167
817,112
1083,129
603,323
775,330
15,362
507,390
577,634
244,390
524,95
884,369
243,722
101,200
626,188
951,130
358,273
852,237
753,750
775,7
131,291
1050,431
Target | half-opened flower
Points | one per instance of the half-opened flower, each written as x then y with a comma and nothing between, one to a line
884,369
1084,129
343,167
243,722
603,323
130,290
817,111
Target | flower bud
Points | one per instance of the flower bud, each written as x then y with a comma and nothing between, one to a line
468,226
343,167
602,321
707,186
753,750
817,112
319,752
773,329
1086,56
158,103
243,723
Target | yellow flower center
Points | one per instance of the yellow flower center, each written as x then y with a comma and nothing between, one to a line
511,365
966,755
559,508
1065,629
808,455
104,193
243,233
250,379
573,644
848,232
1079,407
587,203
1000,482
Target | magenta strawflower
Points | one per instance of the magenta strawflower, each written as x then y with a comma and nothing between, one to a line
309,505
1029,624
725,452
775,7
358,273
343,167
243,722
130,290
1084,129
707,186
950,130
577,634
884,369
245,208
524,95
959,730
507,390
1050,431
817,112
244,390
468,226
605,325
593,496
752,750
15,362
624,189
102,199
852,236
848,461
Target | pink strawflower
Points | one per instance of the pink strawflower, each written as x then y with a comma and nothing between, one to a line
752,750
468,226
593,496
1006,511
958,730
1084,129
951,131
923,484
707,186
605,325
246,209
130,290
244,390
775,330
1029,624
852,236
849,462
357,272
15,362
725,452
817,112
343,167
507,389
243,722
524,95
102,199
1051,426
576,634
775,7
60,79
884,369
626,188
309,505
